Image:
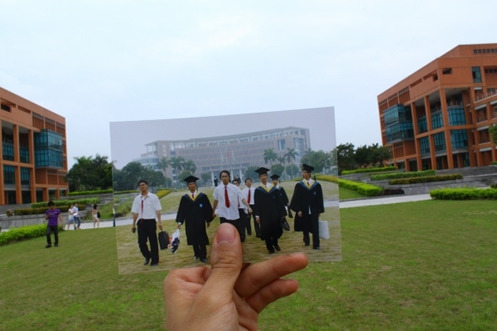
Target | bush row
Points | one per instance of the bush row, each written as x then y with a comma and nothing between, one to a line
372,169
427,179
397,175
62,203
368,190
464,194
90,192
24,232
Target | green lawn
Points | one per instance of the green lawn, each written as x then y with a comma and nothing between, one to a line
422,265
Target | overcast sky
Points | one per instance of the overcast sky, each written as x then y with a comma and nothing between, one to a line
100,61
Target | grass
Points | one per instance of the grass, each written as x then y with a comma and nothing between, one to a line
420,265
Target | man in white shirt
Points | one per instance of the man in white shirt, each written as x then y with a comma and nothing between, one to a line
146,209
249,195
226,197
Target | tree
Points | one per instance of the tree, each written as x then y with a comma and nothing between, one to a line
493,133
343,156
90,173
292,170
269,156
277,169
131,173
164,164
291,155
318,159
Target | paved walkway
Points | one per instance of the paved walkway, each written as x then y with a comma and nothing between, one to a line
343,204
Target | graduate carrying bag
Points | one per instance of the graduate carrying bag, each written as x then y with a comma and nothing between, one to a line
163,238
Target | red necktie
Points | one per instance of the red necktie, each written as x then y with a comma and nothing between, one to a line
226,198
248,198
193,196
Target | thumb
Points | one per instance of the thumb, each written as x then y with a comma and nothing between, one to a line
226,260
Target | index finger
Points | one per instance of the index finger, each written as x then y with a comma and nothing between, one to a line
255,276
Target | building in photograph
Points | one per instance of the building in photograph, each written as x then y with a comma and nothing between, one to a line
234,152
439,116
34,160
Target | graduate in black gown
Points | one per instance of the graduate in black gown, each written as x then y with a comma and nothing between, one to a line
195,210
269,211
307,202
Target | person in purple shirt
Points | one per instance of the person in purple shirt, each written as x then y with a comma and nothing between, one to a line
54,218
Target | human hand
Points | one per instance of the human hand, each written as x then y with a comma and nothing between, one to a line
229,295
133,229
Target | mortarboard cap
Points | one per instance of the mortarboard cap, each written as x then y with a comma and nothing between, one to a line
307,167
190,179
275,176
262,171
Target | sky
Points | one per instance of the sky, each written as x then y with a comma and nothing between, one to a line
100,61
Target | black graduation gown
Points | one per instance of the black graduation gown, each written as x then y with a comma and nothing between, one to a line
270,209
305,198
195,213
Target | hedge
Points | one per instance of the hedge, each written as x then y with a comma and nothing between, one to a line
427,179
464,194
372,169
24,232
362,188
91,192
398,175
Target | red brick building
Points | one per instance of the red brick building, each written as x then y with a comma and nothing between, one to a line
438,117
34,157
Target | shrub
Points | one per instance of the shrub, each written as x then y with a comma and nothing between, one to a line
24,232
362,188
427,179
398,175
372,169
90,192
464,194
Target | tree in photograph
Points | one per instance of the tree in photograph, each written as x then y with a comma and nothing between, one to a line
291,155
127,178
277,169
318,159
270,156
164,164
292,170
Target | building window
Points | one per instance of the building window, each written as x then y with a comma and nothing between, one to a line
476,74
447,71
5,107
459,139
436,120
9,175
424,145
456,115
422,124
48,149
25,176
439,140
8,151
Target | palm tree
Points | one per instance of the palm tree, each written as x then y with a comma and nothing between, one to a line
291,154
190,166
269,156
164,163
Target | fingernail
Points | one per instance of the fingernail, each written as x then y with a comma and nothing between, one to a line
226,234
